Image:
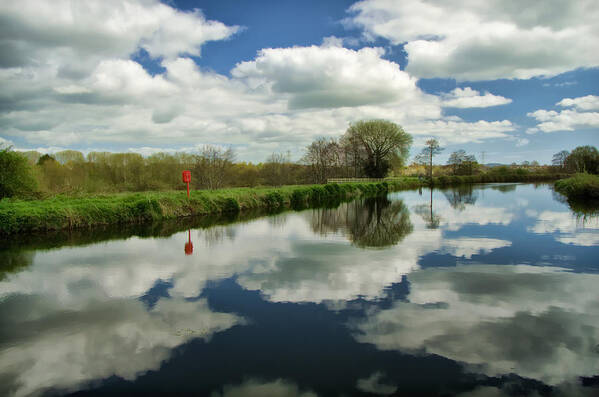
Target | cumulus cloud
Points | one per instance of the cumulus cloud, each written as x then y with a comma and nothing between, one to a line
469,98
329,76
484,41
72,81
568,119
589,102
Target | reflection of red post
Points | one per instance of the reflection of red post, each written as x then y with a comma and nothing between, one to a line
189,244
187,179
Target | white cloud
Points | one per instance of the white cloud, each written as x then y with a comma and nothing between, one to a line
470,40
75,85
469,98
568,119
522,142
328,76
589,102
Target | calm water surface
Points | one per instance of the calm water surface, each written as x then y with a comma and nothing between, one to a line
492,290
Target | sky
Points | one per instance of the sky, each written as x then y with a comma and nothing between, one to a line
506,80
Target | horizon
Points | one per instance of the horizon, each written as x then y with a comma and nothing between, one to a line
264,77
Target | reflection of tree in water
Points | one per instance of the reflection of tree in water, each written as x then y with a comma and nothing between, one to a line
459,196
370,222
426,212
13,261
504,188
217,234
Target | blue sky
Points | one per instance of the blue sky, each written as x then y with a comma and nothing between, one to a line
517,82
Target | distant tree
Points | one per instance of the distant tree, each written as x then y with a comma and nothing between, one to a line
45,158
66,156
462,163
322,156
213,165
430,149
559,158
274,169
583,159
383,142
16,175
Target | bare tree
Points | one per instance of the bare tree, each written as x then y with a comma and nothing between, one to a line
430,149
213,165
559,158
322,156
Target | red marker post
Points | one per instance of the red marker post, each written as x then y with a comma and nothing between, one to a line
187,179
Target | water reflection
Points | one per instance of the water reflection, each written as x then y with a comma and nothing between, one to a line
426,212
460,196
490,292
188,244
541,323
374,222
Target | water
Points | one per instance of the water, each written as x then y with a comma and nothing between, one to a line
473,291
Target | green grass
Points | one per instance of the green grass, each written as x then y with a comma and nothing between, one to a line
580,186
67,212
84,211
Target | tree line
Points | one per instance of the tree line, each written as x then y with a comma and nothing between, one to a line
368,148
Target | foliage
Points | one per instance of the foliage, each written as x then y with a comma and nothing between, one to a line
583,159
580,186
16,175
430,149
69,212
559,158
382,142
462,163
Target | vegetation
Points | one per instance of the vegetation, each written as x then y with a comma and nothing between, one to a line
16,175
382,142
68,212
580,186
431,149
462,163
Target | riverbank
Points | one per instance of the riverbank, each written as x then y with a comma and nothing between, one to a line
579,187
66,212
74,212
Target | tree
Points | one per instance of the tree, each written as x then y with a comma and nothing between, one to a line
430,149
583,159
213,165
382,141
559,158
322,155
16,175
462,163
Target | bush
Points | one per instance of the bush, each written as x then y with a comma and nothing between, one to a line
230,205
580,186
16,175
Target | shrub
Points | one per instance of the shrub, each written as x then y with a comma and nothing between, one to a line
230,205
16,175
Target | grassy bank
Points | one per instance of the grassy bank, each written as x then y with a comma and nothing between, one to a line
579,187
492,177
67,212
72,212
